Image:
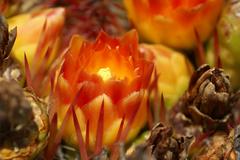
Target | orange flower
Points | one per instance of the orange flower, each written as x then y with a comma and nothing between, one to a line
38,38
172,22
110,73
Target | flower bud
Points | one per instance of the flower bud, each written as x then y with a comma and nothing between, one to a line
36,32
173,70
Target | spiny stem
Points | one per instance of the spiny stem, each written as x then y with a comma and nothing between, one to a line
200,49
149,113
120,129
217,58
87,134
81,145
156,109
27,72
163,112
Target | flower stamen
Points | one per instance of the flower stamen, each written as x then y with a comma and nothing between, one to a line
105,73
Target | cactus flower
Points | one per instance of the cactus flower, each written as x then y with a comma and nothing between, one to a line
173,69
108,72
173,22
38,38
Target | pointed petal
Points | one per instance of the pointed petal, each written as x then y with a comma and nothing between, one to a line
81,145
99,137
27,72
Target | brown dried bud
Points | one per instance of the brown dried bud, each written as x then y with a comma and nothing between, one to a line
8,67
165,146
207,99
7,39
23,122
16,116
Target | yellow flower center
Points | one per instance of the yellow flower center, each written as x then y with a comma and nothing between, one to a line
105,73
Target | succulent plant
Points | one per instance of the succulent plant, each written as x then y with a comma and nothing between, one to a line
99,89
